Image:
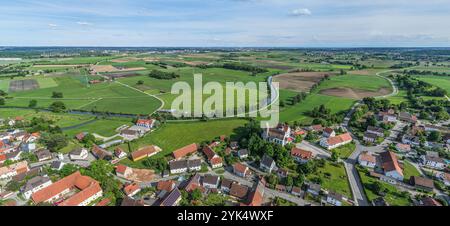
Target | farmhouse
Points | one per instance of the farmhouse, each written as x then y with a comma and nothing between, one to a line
145,152
7,172
146,123
367,160
279,135
78,154
120,153
73,190
300,155
184,151
391,166
129,134
34,185
337,141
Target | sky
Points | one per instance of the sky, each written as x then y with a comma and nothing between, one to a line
226,23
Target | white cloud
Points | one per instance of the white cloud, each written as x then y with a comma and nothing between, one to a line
301,12
83,23
52,25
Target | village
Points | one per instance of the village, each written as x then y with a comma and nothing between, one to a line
387,157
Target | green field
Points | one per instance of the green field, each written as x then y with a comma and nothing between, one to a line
439,81
362,82
102,127
298,111
172,136
393,196
409,170
333,178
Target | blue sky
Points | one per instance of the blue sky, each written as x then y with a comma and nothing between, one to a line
241,23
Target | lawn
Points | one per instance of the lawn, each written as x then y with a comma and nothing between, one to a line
345,151
174,135
409,170
334,178
103,127
393,197
299,111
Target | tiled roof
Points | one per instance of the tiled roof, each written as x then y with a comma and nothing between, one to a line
390,162
189,149
304,154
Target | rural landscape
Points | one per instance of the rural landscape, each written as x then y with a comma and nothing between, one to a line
357,127
211,107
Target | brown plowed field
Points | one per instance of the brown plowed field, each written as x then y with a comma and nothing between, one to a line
300,81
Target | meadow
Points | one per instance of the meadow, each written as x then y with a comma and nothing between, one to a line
439,81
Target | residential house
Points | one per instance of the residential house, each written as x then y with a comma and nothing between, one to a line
337,141
367,160
184,151
297,191
334,198
238,191
256,195
82,190
234,145
403,147
313,189
214,160
172,199
387,117
445,177
35,184
428,201
316,128
375,130
180,166
57,165
391,166
123,171
267,164
370,137
14,155
120,153
194,164
433,161
422,183
131,189
301,155
411,140
210,181
282,173
243,153
240,169
129,134
43,155
145,152
78,154
101,153
167,185
328,132
407,117
128,201
225,184
194,183
279,135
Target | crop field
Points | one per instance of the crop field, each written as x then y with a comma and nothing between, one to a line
103,127
23,85
355,86
300,81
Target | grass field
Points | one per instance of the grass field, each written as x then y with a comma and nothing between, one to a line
298,111
439,81
393,196
345,151
102,127
363,82
172,136
333,178
409,170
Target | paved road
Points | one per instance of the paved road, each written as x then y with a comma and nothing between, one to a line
318,152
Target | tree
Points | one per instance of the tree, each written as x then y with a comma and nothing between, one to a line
434,136
3,93
195,195
32,104
289,181
377,187
57,94
334,156
54,142
57,106
140,82
2,101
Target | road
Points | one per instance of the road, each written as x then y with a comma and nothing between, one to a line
318,152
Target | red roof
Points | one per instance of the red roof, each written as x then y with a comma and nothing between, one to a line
189,149
146,151
304,154
339,139
2,158
87,185
131,188
103,202
144,121
328,130
121,169
167,185
216,160
210,154
390,162
239,167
